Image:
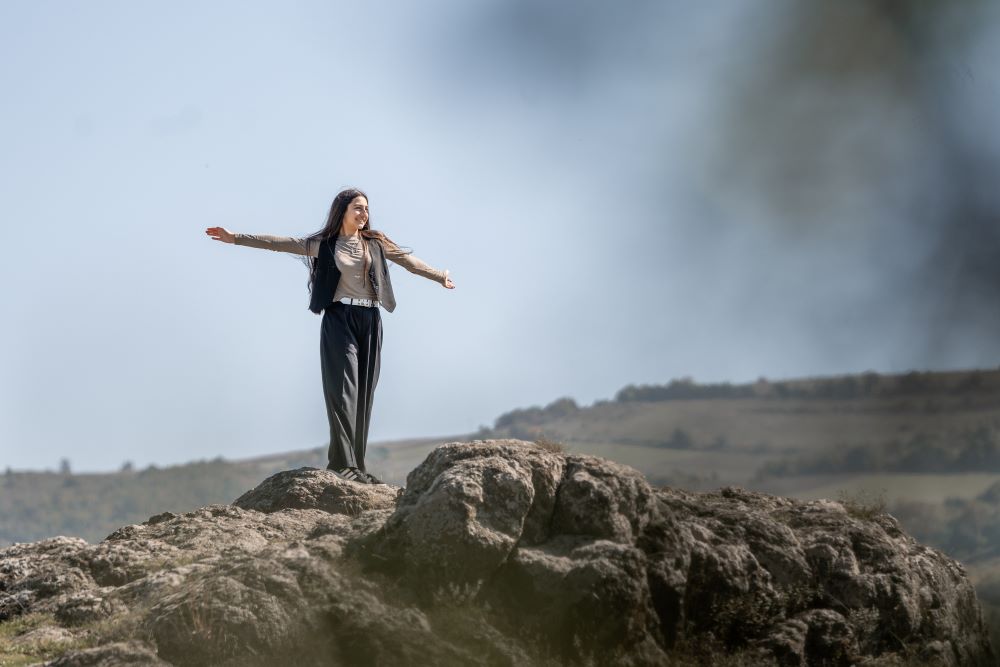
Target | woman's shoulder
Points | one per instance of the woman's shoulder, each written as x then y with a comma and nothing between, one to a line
379,238
376,235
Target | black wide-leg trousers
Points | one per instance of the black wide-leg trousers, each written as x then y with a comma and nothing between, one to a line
350,346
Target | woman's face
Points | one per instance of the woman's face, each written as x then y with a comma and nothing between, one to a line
356,215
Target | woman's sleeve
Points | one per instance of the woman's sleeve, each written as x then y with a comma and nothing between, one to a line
296,246
414,265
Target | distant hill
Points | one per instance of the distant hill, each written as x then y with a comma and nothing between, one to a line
794,437
753,434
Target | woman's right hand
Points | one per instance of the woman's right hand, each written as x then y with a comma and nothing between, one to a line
221,234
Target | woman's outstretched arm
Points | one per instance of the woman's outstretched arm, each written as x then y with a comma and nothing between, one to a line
417,266
296,246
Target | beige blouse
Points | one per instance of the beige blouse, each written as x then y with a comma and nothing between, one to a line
351,257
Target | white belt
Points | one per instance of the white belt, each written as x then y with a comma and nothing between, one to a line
371,303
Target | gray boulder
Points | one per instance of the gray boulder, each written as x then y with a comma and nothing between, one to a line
118,654
499,552
312,488
584,556
465,510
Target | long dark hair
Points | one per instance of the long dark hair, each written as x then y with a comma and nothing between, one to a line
334,223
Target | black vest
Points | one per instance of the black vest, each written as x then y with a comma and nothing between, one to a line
328,276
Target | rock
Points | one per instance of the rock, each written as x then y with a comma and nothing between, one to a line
86,607
544,470
160,518
117,561
858,597
830,638
15,603
46,635
623,572
787,642
265,602
587,597
312,488
118,654
295,603
33,576
463,512
602,500
42,576
502,552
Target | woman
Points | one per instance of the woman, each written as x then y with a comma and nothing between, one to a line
348,281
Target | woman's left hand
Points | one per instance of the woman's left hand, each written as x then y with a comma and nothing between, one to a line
448,283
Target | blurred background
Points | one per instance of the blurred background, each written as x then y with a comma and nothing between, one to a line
743,243
623,193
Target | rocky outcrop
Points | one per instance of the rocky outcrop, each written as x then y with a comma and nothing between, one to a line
498,552
308,488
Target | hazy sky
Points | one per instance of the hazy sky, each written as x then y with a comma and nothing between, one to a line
624,193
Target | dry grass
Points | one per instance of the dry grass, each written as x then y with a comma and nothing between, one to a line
550,445
862,504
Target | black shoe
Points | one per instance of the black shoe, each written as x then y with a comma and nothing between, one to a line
372,479
352,475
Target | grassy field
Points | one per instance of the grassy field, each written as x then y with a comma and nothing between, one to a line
768,426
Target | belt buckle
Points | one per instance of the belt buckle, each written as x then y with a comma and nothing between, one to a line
352,301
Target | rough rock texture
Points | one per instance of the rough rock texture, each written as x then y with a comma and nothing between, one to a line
311,488
499,552
123,654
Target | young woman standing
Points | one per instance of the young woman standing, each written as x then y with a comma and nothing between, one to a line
348,281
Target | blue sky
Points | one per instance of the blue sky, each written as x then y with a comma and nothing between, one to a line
570,163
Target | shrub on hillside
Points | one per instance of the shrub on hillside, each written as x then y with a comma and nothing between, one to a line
684,388
679,439
866,385
535,416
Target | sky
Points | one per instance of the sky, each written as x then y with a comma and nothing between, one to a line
623,194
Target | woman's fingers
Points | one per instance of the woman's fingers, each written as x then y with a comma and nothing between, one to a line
220,234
